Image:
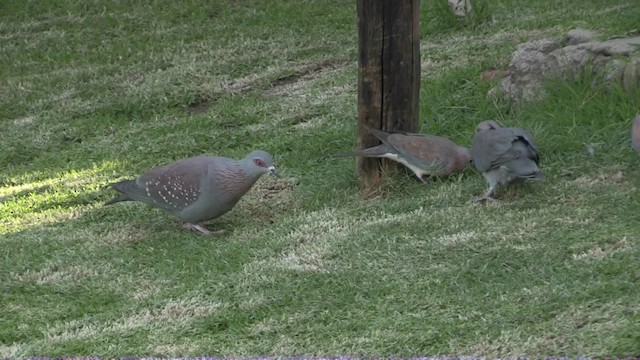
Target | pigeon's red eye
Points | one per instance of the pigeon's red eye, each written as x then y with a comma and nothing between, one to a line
259,162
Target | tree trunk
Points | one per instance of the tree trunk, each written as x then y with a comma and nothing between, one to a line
388,77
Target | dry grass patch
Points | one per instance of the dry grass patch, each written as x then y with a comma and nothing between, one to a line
510,342
173,314
456,238
610,248
63,274
173,349
603,179
126,235
269,198
303,74
24,121
451,53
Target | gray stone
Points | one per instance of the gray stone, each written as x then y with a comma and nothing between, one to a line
622,46
537,61
579,36
544,46
631,75
460,8
614,70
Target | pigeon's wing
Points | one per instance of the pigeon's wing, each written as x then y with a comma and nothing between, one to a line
376,151
174,186
513,148
525,162
492,148
381,135
384,135
526,138
425,151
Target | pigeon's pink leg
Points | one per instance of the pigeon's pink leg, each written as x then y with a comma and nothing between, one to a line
201,229
486,196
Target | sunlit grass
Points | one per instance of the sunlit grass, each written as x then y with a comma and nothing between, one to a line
60,197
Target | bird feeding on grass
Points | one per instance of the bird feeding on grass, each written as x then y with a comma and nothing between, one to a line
425,155
197,189
504,155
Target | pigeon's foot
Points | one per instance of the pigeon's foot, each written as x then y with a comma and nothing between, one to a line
201,229
425,181
484,198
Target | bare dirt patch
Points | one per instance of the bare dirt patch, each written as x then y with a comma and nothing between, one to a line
59,275
125,235
602,251
601,179
201,105
303,74
280,84
269,198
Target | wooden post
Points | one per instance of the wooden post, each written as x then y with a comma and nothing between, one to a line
389,75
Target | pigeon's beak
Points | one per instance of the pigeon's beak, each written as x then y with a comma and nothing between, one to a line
272,170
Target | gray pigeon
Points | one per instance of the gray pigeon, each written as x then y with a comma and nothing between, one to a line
197,189
423,154
635,133
504,155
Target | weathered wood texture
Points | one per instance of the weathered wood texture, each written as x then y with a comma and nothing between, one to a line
389,74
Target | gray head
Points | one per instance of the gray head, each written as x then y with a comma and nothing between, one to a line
464,154
259,162
487,125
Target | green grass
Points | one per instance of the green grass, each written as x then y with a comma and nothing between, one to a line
96,91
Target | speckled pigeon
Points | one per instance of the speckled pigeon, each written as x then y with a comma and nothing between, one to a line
421,153
197,189
504,155
635,133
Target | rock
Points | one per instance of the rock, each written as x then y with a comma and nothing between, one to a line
544,46
528,68
623,46
569,61
631,75
537,61
579,36
614,70
460,8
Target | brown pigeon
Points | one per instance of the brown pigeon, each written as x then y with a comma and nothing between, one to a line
423,154
635,133
504,155
197,189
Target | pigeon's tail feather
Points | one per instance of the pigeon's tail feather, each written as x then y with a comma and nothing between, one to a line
128,188
117,199
362,153
376,151
538,176
381,135
534,176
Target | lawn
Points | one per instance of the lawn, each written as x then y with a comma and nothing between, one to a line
93,92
